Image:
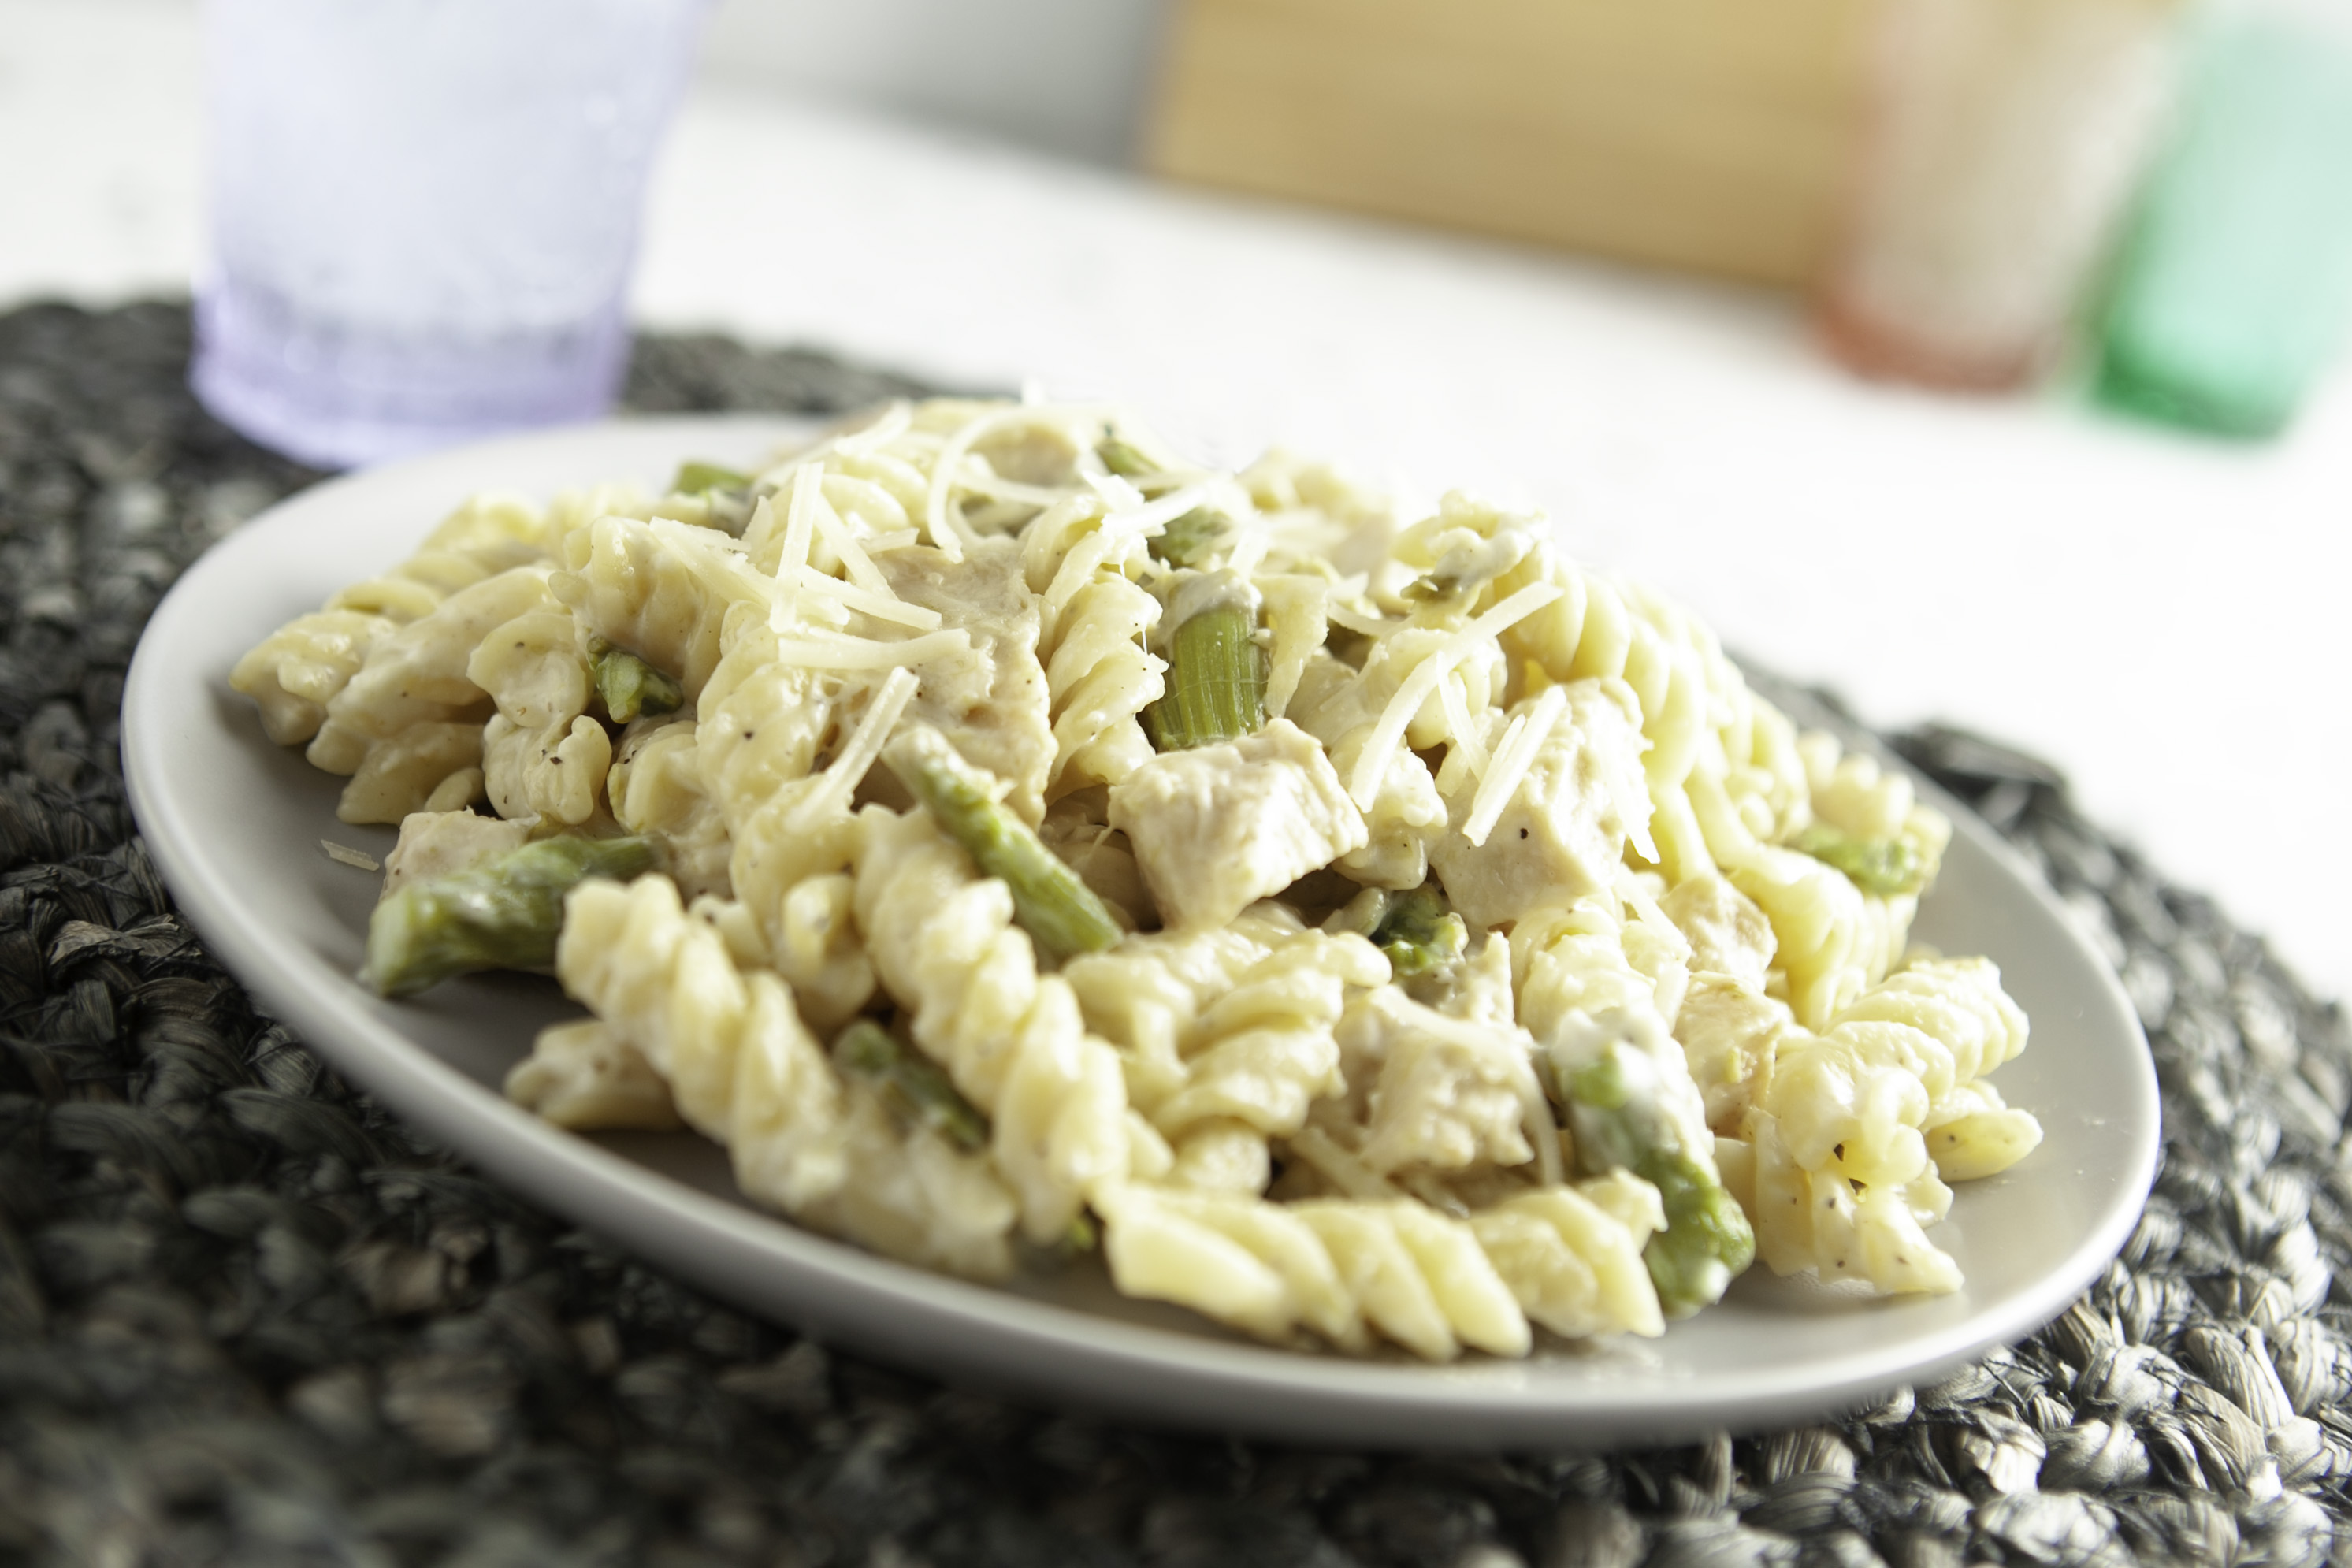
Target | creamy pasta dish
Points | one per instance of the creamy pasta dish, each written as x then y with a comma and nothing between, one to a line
1013,841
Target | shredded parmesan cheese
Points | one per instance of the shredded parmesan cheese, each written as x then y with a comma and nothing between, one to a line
762,525
1112,488
945,529
1513,758
344,855
1152,517
847,771
1252,539
1465,738
864,500
882,608
858,653
800,518
1342,1168
841,542
1388,735
1356,621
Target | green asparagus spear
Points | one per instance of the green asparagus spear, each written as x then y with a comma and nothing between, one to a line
1123,459
913,1085
1613,1109
1883,866
1418,932
1187,541
694,477
504,913
630,686
1057,909
1707,1240
1217,671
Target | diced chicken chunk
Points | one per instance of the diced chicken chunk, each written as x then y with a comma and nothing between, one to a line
1729,1035
1729,933
443,842
1448,1093
1218,828
1562,833
992,700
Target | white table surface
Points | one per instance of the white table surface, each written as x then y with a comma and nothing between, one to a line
2158,614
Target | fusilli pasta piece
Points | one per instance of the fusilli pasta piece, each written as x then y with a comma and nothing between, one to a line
660,589
759,723
584,1076
416,675
296,671
542,754
742,1067
1100,678
1574,1265
1856,1132
743,1070
941,937
1858,1099
1226,1034
655,786
410,773
1819,1219
1342,1268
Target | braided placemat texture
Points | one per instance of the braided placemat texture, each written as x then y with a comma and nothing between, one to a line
246,1318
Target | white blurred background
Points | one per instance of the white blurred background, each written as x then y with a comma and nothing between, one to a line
945,187
1065,76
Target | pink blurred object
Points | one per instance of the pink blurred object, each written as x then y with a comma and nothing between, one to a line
2004,138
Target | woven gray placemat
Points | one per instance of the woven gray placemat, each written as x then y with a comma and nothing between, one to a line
245,1318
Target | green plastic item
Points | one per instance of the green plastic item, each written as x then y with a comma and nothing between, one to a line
2233,291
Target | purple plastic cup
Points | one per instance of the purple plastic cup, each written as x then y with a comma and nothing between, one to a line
422,214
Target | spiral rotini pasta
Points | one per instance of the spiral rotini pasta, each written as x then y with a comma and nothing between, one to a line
1364,929
436,765
1856,1132
943,940
1860,1098
1343,1268
1226,1036
417,674
298,670
743,1068
587,1077
1101,678
1094,625
1822,1221
744,1071
1572,1255
655,787
542,754
660,589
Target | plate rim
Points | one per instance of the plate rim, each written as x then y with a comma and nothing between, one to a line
1014,1342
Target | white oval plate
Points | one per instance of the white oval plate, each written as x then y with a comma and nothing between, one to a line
235,822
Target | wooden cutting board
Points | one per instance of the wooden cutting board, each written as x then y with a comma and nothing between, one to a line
1711,134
